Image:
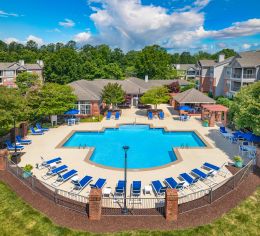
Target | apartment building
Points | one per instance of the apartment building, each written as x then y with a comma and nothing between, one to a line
243,70
185,71
9,71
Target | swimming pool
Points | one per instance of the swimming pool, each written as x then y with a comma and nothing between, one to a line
148,147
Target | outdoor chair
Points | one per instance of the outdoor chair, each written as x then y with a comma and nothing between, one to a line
99,183
158,188
136,188
108,116
55,171
222,130
161,115
65,177
215,168
117,115
189,180
150,115
203,176
23,141
36,132
120,188
39,127
172,183
80,185
47,164
11,147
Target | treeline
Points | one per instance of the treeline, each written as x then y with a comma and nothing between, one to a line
65,63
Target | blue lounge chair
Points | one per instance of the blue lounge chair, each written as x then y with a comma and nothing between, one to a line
171,182
136,188
117,115
36,132
23,141
65,177
46,164
99,183
39,127
150,115
222,129
55,171
161,115
80,185
120,188
203,176
214,168
159,189
108,115
189,180
11,147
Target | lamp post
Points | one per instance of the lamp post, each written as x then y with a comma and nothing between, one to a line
124,210
15,148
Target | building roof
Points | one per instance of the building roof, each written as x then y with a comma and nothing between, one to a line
184,66
18,66
207,63
215,107
91,90
192,96
249,59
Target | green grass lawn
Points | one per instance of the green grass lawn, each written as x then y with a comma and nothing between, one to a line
18,218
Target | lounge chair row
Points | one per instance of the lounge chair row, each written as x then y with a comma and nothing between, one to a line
109,114
19,144
39,130
160,115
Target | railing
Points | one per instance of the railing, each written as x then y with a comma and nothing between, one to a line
63,198
136,206
249,76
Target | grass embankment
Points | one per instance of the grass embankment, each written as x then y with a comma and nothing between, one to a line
18,218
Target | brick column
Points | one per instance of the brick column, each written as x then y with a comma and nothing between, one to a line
258,157
171,205
224,122
24,129
212,119
95,204
3,155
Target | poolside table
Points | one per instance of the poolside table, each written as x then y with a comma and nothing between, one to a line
148,189
107,191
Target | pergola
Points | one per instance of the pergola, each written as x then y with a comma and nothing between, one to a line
214,113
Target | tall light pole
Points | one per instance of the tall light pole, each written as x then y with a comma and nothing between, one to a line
15,148
124,210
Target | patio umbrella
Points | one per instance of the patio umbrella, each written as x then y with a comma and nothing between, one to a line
184,108
72,112
251,137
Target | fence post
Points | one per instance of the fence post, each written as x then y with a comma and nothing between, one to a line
55,195
95,204
210,195
171,205
3,158
258,157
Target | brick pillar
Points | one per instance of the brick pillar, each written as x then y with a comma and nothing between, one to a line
212,119
13,133
171,205
224,122
95,109
24,129
258,157
3,155
95,204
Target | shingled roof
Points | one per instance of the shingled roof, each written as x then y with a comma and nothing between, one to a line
91,90
192,96
249,59
18,66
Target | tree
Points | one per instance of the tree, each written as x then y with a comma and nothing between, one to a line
51,99
245,110
227,52
26,81
32,45
113,71
112,94
224,101
12,107
155,96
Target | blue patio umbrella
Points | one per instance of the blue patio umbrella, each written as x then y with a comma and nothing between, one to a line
184,108
251,137
72,112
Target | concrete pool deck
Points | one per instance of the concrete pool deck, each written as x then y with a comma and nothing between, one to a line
221,151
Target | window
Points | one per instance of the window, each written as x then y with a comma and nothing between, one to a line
84,107
9,73
228,71
1,80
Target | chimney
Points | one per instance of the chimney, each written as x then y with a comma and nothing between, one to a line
178,66
221,57
146,79
40,63
21,62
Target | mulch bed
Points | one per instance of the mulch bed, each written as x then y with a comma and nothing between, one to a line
74,220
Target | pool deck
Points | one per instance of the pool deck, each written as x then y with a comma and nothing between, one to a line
221,151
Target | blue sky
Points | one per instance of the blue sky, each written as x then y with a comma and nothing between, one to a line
177,25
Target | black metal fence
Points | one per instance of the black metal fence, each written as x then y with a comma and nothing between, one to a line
63,198
136,206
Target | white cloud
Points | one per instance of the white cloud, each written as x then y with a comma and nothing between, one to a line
130,25
222,45
246,46
82,37
10,40
38,40
6,14
67,23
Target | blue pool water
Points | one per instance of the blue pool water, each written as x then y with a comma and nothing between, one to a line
148,147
